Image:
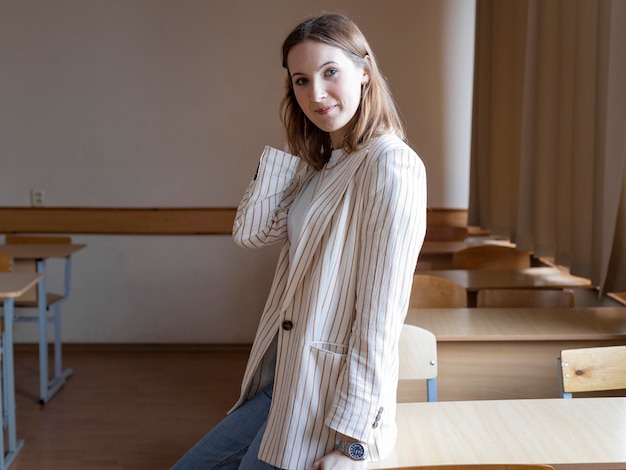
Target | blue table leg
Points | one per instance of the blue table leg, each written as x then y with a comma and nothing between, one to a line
14,446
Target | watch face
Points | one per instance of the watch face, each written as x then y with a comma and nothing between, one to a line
357,451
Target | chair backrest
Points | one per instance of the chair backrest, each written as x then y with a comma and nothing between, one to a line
6,263
445,233
481,466
436,292
592,369
619,297
554,298
490,257
30,265
418,361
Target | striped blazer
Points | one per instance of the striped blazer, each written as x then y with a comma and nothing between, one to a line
328,335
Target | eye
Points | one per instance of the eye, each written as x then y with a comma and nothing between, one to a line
300,81
330,72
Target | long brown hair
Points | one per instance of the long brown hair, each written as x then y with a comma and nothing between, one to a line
377,113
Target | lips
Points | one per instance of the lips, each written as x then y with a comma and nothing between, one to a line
325,110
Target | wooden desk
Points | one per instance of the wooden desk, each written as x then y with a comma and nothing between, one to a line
439,253
583,433
510,353
546,277
39,253
11,285
529,278
435,247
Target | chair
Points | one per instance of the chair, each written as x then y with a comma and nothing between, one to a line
436,292
6,263
480,466
592,369
29,300
619,297
525,298
418,361
490,257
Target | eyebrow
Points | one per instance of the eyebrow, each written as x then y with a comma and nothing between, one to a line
319,68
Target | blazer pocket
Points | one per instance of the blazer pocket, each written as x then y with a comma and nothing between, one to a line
335,349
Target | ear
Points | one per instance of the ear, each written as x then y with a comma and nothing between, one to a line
366,77
366,71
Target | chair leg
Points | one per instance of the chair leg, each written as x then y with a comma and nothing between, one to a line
431,390
58,360
564,394
60,375
5,404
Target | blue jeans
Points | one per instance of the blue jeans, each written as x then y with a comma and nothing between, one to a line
234,443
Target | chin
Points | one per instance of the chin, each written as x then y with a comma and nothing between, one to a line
331,129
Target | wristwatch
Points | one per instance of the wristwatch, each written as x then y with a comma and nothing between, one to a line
354,450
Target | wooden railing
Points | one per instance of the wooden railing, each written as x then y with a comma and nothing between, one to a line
130,221
149,220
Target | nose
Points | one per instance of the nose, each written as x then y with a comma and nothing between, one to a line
317,91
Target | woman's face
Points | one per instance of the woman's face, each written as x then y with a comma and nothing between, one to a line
327,85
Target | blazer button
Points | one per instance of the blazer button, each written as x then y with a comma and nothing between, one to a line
287,325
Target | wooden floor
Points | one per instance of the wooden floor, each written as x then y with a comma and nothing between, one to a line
123,409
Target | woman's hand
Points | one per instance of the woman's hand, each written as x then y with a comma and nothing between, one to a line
336,460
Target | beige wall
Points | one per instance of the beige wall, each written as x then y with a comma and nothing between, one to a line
145,103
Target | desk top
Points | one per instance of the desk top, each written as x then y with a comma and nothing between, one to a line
41,251
448,247
15,284
583,431
475,279
521,324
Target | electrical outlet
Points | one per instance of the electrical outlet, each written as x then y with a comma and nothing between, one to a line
36,197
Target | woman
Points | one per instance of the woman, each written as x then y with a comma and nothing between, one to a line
319,389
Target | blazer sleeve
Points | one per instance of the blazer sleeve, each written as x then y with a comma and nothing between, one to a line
261,217
392,232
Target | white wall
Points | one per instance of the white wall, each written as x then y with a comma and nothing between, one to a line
156,103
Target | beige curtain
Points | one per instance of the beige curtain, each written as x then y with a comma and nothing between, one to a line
549,127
